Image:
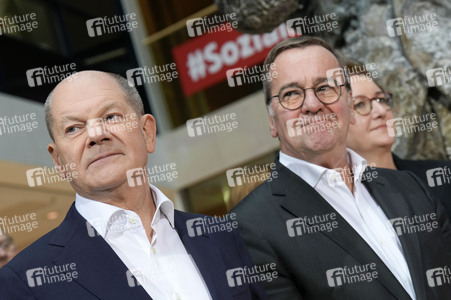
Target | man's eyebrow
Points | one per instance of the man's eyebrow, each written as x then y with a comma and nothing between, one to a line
67,118
288,85
295,84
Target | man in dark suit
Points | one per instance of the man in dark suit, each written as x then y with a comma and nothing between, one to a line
122,238
335,228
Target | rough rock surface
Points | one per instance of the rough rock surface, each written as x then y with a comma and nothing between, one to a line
402,58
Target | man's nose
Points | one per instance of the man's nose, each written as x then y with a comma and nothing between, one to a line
311,102
97,131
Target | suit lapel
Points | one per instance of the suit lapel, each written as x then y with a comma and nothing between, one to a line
396,205
100,270
302,200
206,257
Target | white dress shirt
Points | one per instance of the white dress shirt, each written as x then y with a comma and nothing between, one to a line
163,267
358,209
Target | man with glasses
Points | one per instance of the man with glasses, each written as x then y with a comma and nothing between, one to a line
335,227
373,134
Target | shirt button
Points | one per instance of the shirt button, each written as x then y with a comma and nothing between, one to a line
177,296
132,220
153,250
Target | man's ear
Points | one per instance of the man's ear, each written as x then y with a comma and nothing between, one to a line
53,150
149,129
272,123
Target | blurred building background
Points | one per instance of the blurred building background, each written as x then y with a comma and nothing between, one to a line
60,38
67,35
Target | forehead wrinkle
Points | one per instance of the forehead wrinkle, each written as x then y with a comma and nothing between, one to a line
295,84
101,110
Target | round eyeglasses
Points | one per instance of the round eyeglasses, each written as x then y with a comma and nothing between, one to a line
292,97
363,105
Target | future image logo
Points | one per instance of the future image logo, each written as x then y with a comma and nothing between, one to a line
411,124
50,75
309,125
40,176
438,76
18,223
308,225
350,275
438,176
414,224
157,73
112,124
311,25
109,25
352,73
255,74
257,273
438,276
212,124
208,225
154,174
51,274
18,23
18,123
251,174
409,25
216,23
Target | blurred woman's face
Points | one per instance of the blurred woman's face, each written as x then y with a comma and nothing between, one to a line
369,132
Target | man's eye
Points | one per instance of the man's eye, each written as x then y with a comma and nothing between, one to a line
291,94
71,129
324,88
113,118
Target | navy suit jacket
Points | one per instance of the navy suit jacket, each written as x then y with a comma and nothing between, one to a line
102,275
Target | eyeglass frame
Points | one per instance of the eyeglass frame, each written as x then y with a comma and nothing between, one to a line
390,105
346,84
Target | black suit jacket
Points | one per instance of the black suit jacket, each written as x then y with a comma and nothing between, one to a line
419,167
102,274
306,259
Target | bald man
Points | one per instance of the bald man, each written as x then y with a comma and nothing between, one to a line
122,237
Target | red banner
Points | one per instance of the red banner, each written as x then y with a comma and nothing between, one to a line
204,60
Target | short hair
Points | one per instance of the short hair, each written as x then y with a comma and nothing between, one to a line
356,65
292,43
131,95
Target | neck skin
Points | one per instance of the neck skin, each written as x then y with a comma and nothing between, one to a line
331,160
138,199
381,157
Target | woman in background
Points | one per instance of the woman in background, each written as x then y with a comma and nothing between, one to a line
370,137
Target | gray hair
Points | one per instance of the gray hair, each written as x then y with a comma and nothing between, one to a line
131,95
291,43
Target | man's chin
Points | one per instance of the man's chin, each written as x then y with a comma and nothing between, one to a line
102,182
320,142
